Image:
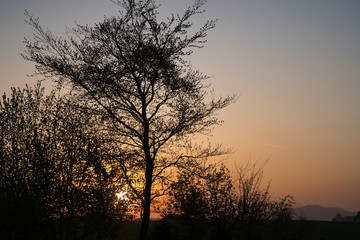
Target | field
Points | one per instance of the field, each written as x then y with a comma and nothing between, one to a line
335,230
311,230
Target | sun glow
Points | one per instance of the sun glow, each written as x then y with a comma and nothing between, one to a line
122,196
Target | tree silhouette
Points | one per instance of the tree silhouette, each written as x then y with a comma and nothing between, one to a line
132,70
52,169
205,197
226,203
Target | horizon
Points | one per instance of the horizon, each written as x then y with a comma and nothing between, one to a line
294,65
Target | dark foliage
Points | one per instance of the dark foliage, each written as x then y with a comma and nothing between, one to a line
53,172
228,209
132,70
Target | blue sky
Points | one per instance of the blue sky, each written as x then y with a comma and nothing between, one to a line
294,63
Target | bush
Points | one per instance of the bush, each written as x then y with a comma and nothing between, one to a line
228,207
53,169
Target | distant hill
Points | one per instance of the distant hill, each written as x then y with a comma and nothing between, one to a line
320,213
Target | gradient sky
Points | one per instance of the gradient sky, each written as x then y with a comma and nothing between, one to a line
296,65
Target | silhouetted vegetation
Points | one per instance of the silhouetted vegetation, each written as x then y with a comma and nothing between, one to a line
219,207
127,122
55,181
60,173
132,71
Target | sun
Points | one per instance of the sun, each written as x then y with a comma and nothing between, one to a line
122,196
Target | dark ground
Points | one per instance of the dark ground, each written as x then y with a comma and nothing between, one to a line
310,230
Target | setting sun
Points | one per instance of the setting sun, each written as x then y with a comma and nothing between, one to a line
122,196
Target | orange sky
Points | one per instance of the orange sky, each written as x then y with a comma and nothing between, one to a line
294,63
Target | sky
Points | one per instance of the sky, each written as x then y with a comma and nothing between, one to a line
294,64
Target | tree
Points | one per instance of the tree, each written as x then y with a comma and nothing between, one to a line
208,197
254,201
132,70
227,204
52,169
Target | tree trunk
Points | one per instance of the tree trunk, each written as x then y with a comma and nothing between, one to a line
145,218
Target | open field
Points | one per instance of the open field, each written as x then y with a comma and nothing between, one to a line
312,230
335,230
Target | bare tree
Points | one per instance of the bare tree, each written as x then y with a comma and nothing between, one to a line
132,69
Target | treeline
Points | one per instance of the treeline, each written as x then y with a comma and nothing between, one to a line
61,170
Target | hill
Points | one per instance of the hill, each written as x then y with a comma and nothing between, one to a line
320,213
